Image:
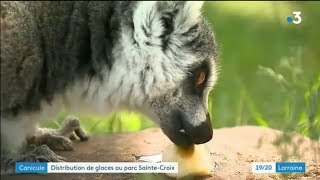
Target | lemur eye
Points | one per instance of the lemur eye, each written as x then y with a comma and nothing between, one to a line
200,77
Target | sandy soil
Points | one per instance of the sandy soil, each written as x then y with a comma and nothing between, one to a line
232,149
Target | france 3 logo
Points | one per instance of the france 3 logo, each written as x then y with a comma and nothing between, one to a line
297,18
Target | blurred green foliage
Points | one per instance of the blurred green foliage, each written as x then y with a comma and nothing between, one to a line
269,70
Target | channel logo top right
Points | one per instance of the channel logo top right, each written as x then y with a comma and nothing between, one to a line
296,19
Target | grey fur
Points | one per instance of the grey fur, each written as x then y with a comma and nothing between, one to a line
103,56
48,42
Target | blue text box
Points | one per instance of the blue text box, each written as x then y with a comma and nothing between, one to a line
31,167
290,167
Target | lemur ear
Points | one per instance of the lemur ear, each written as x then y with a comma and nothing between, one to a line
188,15
147,21
155,21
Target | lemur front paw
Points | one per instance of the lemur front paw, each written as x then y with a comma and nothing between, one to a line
53,141
59,139
43,141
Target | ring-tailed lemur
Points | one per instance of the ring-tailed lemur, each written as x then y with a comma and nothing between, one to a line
157,58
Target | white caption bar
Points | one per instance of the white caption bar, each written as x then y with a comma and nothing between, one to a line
115,167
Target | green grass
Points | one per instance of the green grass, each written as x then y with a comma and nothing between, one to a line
269,70
267,65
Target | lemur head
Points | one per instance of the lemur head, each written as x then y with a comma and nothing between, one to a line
172,53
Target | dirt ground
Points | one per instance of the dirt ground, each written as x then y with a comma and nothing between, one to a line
232,149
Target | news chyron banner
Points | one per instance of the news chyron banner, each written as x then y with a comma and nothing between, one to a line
96,167
142,167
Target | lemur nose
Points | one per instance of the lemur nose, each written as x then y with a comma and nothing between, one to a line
184,132
201,133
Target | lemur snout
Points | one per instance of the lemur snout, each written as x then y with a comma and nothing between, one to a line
183,132
201,133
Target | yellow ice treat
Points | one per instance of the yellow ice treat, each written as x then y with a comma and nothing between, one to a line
192,161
